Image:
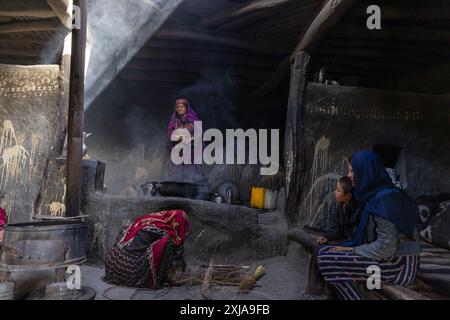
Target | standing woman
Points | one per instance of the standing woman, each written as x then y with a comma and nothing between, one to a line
184,117
3,218
386,236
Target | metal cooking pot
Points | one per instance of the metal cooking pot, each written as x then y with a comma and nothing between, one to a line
43,244
217,198
178,189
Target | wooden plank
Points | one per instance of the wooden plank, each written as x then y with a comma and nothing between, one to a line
142,86
187,56
190,45
20,52
255,19
22,42
360,64
184,84
387,45
76,114
19,61
244,9
407,33
26,8
306,240
399,11
282,24
294,144
208,6
29,26
162,65
178,77
231,39
396,56
60,8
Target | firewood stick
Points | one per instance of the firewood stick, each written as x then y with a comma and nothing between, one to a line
206,286
222,266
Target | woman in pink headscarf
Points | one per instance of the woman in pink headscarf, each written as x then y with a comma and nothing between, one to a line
184,117
3,221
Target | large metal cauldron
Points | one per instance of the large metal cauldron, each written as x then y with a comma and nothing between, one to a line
41,245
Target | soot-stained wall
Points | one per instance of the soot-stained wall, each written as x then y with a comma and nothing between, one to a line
129,132
30,128
341,120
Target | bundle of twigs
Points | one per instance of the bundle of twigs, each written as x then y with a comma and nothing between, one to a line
220,275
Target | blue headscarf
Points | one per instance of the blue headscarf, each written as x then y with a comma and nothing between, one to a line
378,196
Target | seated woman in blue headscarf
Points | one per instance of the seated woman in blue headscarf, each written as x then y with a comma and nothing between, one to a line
386,236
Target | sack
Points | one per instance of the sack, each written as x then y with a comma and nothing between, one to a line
437,230
429,206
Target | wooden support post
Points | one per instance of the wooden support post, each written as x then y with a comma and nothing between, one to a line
76,113
293,150
316,285
324,22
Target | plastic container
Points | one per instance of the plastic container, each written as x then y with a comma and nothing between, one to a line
270,199
257,198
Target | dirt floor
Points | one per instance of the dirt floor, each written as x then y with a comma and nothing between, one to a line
285,279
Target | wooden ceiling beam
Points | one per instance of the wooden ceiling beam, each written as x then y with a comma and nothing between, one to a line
402,55
281,22
22,42
208,58
362,65
161,76
19,61
400,33
60,7
30,26
328,17
179,77
231,39
241,10
189,45
399,11
387,44
141,84
209,6
161,65
20,52
26,8
252,19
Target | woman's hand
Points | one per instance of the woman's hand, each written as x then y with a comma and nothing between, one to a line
341,249
322,240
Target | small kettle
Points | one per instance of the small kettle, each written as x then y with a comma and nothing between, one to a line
85,148
217,198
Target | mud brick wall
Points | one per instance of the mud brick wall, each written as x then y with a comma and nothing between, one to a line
30,124
341,120
240,231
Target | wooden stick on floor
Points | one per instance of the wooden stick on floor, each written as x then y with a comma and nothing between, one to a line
206,285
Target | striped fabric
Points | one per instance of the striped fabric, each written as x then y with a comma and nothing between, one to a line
435,265
346,270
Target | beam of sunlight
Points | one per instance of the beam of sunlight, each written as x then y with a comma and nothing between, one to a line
118,29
